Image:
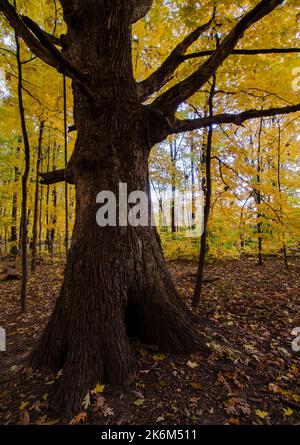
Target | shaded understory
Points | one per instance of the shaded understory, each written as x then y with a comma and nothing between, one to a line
251,376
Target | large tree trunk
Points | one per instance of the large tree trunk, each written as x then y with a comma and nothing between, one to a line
116,283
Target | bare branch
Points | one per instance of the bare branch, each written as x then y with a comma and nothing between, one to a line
171,99
164,73
41,45
60,58
54,177
64,66
72,128
245,52
31,24
228,118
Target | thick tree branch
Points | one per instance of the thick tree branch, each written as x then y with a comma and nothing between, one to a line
181,126
54,177
164,73
140,9
72,128
31,24
169,101
64,65
40,43
245,52
21,29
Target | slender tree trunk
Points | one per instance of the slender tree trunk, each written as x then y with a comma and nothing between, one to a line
14,216
116,283
207,205
54,209
259,200
66,163
48,198
242,225
41,198
5,240
25,176
193,222
173,186
280,197
36,199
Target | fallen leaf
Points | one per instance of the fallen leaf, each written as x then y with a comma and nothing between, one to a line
23,405
274,388
139,402
196,385
159,357
87,401
99,403
107,411
261,414
24,418
288,412
234,421
80,418
192,364
98,389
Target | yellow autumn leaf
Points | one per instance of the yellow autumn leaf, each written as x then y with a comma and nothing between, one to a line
139,402
288,412
197,385
98,389
81,417
261,414
23,405
159,357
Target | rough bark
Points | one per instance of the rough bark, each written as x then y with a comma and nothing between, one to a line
116,284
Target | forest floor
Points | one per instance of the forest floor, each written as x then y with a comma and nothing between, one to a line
251,377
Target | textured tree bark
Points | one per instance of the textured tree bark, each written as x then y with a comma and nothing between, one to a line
116,283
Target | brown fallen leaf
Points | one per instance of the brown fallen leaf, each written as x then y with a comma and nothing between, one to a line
24,418
80,418
234,421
